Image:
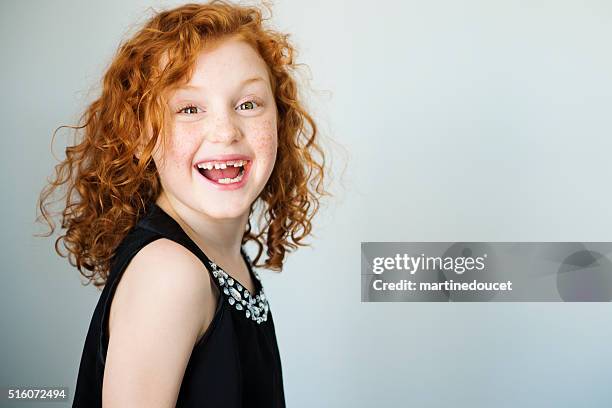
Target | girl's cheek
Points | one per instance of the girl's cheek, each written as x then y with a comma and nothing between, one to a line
265,141
184,146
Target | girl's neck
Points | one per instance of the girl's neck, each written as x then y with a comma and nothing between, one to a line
220,239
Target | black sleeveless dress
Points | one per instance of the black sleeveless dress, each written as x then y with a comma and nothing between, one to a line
236,363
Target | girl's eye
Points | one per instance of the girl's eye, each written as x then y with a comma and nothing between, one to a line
189,109
250,105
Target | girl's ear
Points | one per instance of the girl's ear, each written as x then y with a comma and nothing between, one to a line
139,149
138,152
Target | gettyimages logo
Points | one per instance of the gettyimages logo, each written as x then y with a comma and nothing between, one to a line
413,264
477,271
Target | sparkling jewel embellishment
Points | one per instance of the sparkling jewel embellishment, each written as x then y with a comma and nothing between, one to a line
255,307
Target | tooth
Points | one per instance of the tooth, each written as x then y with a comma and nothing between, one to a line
230,181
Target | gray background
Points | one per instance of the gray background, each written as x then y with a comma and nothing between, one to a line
461,121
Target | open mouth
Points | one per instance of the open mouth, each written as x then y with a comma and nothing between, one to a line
224,172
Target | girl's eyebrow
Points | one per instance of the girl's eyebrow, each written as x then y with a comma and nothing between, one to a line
242,84
250,80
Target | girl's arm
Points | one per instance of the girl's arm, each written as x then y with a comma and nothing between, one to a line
161,306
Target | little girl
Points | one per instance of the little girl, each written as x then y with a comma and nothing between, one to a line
198,121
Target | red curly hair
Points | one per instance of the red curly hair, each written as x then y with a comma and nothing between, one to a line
110,178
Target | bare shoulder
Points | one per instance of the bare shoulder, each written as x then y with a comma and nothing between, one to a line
161,306
163,268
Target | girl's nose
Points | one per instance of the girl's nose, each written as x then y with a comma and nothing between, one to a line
224,130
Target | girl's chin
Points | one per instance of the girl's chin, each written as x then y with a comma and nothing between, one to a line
224,212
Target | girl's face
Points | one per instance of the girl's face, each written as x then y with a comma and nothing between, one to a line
223,140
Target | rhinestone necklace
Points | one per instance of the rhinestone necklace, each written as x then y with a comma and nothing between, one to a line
255,308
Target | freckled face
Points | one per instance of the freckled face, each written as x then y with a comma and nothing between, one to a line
226,108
